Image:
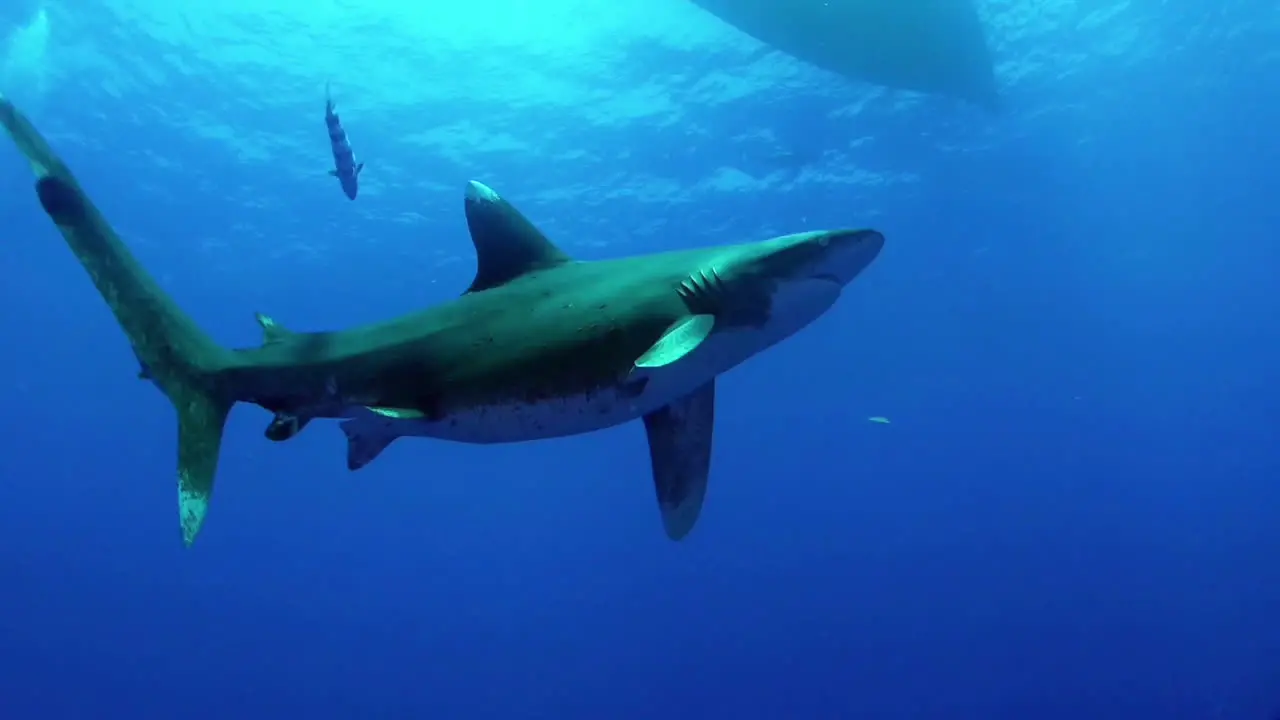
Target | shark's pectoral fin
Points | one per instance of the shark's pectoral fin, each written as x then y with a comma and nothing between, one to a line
682,338
680,449
397,413
365,441
272,331
201,419
359,167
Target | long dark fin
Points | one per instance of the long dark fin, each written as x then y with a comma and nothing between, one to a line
507,244
680,450
178,357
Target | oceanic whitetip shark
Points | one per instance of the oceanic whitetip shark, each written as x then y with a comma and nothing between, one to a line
539,345
932,46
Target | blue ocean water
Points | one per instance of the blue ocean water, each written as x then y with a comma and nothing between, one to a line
1072,512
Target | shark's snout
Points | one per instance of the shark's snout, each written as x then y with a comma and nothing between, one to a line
834,255
848,253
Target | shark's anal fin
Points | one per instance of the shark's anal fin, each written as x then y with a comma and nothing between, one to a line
272,331
366,439
284,426
683,337
507,244
201,419
680,449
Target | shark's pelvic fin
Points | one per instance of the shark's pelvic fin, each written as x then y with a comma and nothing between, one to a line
680,450
507,244
368,435
364,442
272,331
172,350
683,337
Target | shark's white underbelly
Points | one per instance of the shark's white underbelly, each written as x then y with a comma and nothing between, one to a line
520,421
642,392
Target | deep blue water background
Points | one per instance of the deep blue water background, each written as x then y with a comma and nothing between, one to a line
1073,329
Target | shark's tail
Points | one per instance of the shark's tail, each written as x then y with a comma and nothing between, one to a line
179,358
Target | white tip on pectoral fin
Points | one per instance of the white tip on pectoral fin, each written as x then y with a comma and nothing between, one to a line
680,437
682,338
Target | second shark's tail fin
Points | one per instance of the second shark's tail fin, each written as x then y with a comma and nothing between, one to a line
175,353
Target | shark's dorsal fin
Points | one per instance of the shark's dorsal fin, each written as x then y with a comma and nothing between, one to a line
271,330
507,244
680,450
683,337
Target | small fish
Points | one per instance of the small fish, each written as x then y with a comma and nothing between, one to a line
345,167
879,419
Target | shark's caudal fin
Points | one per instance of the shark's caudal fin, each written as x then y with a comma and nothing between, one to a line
680,449
173,352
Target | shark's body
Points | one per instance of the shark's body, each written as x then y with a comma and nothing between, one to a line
539,346
932,46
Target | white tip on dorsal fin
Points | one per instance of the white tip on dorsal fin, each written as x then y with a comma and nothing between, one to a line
271,330
507,244
680,450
